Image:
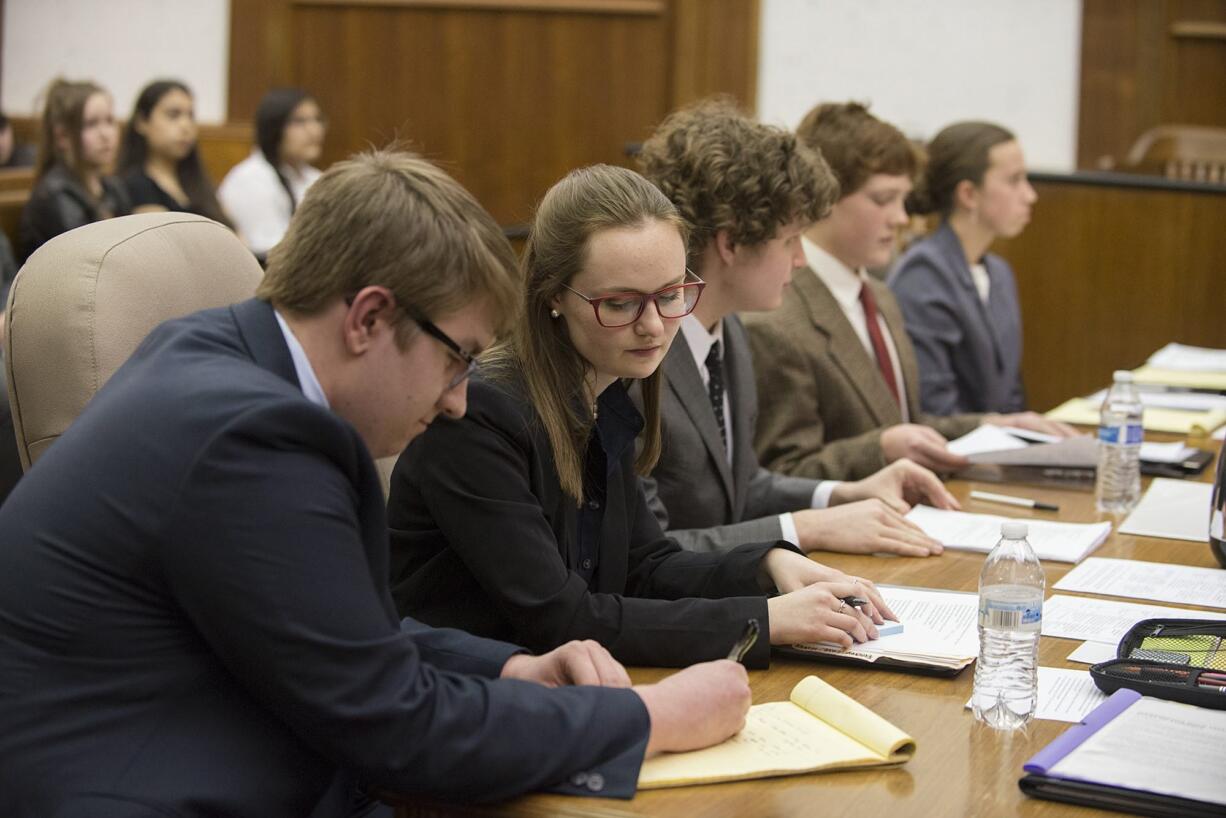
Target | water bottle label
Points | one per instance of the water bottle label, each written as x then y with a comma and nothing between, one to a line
1129,434
1009,615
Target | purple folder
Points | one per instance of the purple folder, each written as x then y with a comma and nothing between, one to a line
1117,703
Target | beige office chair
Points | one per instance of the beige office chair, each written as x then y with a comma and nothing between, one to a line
85,300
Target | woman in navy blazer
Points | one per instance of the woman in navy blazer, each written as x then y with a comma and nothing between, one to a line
960,301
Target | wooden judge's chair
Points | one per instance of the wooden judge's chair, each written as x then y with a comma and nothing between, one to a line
1190,153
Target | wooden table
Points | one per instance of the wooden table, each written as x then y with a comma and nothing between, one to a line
960,767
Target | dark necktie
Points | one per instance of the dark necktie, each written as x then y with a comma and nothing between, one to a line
715,389
874,336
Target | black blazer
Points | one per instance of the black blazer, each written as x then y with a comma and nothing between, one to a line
58,204
484,539
194,615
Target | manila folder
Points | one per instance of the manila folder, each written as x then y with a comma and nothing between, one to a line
820,728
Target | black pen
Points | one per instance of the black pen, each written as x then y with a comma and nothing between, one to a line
854,601
747,640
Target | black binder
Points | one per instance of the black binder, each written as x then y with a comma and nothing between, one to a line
1102,796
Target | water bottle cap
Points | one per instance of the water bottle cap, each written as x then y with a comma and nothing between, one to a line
1122,376
1014,530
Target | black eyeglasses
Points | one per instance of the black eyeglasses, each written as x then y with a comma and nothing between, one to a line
466,358
623,309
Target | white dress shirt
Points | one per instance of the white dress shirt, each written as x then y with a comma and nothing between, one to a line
256,201
311,388
983,284
699,341
845,285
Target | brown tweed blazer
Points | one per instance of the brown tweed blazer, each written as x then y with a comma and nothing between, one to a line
822,400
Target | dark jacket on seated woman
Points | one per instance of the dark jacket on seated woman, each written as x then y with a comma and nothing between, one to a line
58,203
142,190
483,538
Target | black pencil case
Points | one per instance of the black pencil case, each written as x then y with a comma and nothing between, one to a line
1176,659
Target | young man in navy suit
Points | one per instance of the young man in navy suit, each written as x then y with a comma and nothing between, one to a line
194,606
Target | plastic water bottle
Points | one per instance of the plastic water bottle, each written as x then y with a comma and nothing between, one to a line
1117,487
1010,616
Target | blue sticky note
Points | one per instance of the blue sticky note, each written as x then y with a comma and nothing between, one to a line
889,629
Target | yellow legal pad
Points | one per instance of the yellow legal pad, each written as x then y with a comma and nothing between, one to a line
1155,419
1180,378
821,728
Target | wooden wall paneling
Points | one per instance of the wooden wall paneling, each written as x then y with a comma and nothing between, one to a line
1107,275
1194,82
224,146
508,94
509,102
259,54
1120,57
714,50
1146,63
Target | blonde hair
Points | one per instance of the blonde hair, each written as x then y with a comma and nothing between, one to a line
539,349
724,171
391,218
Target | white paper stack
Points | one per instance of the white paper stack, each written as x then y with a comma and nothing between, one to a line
1173,509
962,531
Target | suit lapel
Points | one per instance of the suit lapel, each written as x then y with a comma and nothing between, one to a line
848,354
951,248
682,377
743,399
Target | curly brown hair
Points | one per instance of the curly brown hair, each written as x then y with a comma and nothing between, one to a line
857,144
725,171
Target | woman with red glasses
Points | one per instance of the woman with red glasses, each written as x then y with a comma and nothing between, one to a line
526,519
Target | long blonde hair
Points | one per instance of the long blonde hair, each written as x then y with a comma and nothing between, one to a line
539,348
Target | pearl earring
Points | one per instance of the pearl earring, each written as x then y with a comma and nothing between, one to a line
555,314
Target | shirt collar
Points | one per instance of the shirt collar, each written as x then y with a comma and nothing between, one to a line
699,340
311,388
843,283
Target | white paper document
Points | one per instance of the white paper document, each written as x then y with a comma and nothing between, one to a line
960,530
1157,746
1189,358
940,629
1091,653
1065,695
1104,620
1160,581
985,438
1166,452
1172,509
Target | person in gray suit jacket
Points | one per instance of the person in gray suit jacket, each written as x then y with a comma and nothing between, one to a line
708,489
960,301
